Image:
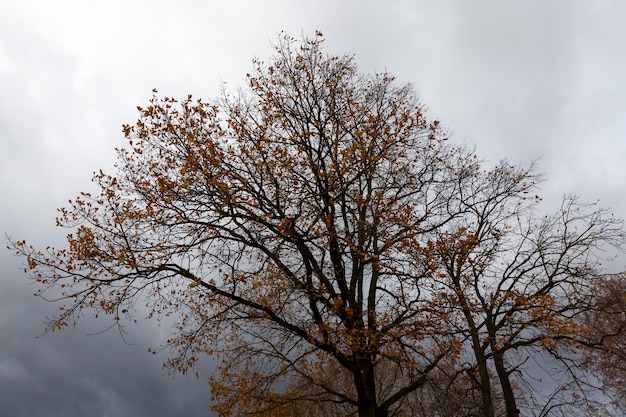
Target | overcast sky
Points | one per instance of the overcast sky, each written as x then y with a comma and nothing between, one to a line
522,80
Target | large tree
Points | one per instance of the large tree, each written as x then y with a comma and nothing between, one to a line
323,240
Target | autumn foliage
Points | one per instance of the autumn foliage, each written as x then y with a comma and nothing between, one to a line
323,240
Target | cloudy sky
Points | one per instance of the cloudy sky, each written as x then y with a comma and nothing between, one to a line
522,80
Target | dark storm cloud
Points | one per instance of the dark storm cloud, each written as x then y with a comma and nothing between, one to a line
73,374
521,80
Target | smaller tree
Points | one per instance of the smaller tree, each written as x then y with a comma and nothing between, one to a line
605,324
517,284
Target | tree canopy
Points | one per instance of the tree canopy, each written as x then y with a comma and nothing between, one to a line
335,253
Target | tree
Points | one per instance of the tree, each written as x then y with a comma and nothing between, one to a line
324,241
518,284
605,323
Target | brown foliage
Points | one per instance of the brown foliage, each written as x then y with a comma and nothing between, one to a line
322,239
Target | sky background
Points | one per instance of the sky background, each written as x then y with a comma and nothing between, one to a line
522,80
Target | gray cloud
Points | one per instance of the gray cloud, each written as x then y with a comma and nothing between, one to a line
72,373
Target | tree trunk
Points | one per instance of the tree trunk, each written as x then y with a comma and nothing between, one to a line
365,387
367,409
505,382
498,359
486,406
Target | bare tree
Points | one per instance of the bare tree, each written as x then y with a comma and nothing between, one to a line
517,284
